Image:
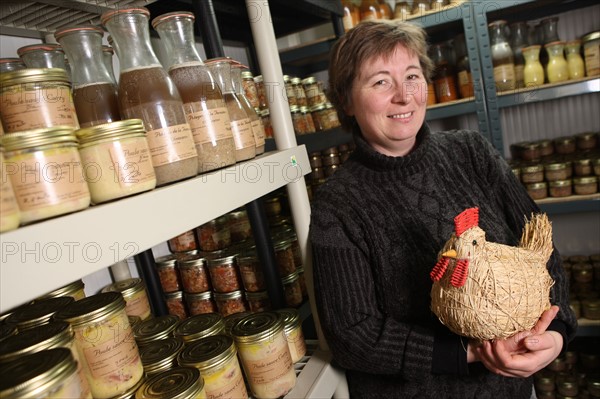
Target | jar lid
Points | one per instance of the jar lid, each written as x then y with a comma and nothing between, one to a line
36,374
585,180
532,168
67,290
38,137
290,278
7,331
564,140
583,162
257,327
537,186
174,295
111,131
208,352
108,49
199,295
310,80
132,10
224,296
190,260
555,166
264,112
294,109
60,33
175,15
177,383
590,36
231,319
304,109
51,335
291,318
247,75
199,326
296,81
560,183
287,78
258,78
165,261
39,312
39,47
34,75
126,287
585,136
160,354
318,107
91,309
227,260
155,328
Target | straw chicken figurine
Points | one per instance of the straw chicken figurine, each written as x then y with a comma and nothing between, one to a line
486,290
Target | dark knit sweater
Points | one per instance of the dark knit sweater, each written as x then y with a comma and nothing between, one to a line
377,225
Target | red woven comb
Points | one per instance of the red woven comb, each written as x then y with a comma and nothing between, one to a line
467,219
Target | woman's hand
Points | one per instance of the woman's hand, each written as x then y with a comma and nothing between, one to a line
522,354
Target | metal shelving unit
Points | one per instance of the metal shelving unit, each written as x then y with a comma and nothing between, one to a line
548,92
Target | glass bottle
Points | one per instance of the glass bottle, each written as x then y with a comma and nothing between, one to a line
107,56
146,92
518,40
258,129
420,7
533,72
463,68
557,69
94,91
351,14
384,9
369,10
203,101
241,126
444,79
502,56
574,59
548,33
45,55
11,64
401,10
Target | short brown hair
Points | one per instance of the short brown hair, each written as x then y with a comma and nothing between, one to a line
368,40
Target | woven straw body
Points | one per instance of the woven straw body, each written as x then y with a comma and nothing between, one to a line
507,288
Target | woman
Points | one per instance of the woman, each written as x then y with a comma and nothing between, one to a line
379,222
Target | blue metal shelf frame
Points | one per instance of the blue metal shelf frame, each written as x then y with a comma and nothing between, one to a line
542,93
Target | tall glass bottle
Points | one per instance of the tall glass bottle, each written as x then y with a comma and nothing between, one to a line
557,69
518,40
533,73
241,126
351,14
202,99
258,129
548,34
107,57
45,55
444,77
147,92
502,56
94,91
463,67
574,59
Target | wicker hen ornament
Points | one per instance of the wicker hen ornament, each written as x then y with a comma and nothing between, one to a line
486,290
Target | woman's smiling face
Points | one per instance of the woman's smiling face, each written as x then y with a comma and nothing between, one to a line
389,100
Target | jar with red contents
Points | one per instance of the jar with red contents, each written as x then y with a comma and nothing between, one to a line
200,303
184,242
214,235
168,273
251,272
292,290
224,274
258,301
284,257
230,303
175,304
194,274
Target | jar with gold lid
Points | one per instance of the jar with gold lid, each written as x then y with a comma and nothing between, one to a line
215,358
537,191
251,273
224,274
583,167
107,357
177,383
134,293
593,385
199,326
176,305
250,90
292,326
319,115
299,92
529,151
200,303
565,145
10,216
258,301
560,188
596,166
74,289
289,90
314,95
154,329
292,290
168,274
591,309
37,313
230,303
532,173
161,355
193,273
308,120
214,234
265,116
544,381
183,242
586,141
261,92
546,147
555,171
585,185
299,123
35,98
116,160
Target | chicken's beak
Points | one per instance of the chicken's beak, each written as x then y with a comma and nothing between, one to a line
450,254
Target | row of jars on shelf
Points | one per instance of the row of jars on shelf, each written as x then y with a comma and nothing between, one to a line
583,274
142,349
324,163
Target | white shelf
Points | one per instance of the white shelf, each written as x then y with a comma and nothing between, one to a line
41,257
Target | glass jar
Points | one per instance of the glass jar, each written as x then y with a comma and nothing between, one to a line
591,53
265,354
560,188
175,304
533,72
319,116
532,173
194,274
44,55
591,309
420,7
583,167
332,115
203,100
586,141
384,9
284,257
292,326
314,95
215,358
289,90
308,120
50,373
224,274
250,90
502,56
10,216
351,16
239,226
557,69
36,98
518,40
369,10
11,64
556,171
565,145
292,290
266,120
200,303
159,356
258,130
299,92
74,290
116,160
401,10
586,185
183,242
168,273
214,235
134,293
38,313
94,90
537,191
241,125
574,60
230,303
105,343
47,178
155,329
299,123
178,383
199,326
463,68
146,92
444,79
258,301
107,58
251,272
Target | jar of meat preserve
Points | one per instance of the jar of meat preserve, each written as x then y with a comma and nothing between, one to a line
292,325
199,326
74,290
161,355
134,293
194,273
155,329
177,383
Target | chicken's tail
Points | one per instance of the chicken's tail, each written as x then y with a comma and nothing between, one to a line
537,235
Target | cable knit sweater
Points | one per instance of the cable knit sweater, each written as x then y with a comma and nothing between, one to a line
376,227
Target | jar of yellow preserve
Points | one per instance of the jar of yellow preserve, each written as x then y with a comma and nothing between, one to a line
10,216
265,354
161,355
178,383
215,357
35,98
134,293
292,326
74,289
45,170
105,342
116,160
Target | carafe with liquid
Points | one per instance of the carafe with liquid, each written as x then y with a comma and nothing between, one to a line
502,56
444,77
258,129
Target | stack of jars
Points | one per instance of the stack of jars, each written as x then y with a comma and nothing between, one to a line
325,162
560,167
452,77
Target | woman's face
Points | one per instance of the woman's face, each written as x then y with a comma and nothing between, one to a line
388,100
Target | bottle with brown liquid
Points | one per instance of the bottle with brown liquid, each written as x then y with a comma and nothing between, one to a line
258,129
385,10
241,125
463,68
351,14
444,79
146,92
203,101
369,10
94,91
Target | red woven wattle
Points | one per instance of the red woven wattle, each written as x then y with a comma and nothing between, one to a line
459,275
439,269
467,219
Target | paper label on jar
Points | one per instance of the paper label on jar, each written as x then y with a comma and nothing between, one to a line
504,76
271,367
225,383
138,305
242,134
258,131
29,106
171,144
131,163
209,125
592,60
48,178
